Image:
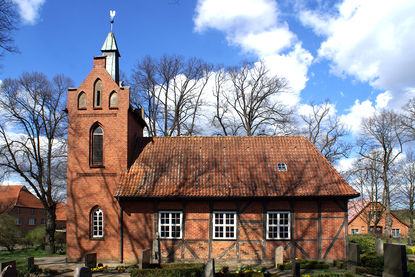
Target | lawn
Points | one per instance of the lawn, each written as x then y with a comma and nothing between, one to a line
25,253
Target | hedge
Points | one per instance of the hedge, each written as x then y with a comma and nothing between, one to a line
171,270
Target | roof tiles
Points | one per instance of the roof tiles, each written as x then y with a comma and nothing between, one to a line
230,167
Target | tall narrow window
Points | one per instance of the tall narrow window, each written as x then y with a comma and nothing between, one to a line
98,94
82,101
114,100
97,223
97,146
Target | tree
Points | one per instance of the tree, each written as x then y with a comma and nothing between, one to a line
9,233
326,131
8,24
365,178
171,89
33,128
248,101
408,118
385,133
407,187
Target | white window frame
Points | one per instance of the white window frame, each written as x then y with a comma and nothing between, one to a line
32,221
97,221
170,224
18,221
278,225
224,225
355,231
394,231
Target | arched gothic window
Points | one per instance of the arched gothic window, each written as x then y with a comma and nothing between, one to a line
98,94
97,223
82,100
114,100
97,153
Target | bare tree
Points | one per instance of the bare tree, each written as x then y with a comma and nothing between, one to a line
385,133
365,178
248,101
8,24
171,88
33,130
326,131
408,117
407,186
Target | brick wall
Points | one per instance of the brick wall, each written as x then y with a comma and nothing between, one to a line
361,223
25,214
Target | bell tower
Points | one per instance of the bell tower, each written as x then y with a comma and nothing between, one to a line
110,50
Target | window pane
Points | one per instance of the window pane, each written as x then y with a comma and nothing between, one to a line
97,151
114,100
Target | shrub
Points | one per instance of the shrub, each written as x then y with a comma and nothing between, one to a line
410,250
373,264
366,242
36,236
9,233
306,264
411,269
171,270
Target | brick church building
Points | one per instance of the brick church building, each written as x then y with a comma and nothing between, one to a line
234,199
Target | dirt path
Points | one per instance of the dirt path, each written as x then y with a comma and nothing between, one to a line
60,265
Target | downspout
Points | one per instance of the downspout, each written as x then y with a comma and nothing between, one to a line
120,219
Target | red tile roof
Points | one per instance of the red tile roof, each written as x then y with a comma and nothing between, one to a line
19,196
230,167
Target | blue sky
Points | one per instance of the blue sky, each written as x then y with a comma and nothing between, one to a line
359,54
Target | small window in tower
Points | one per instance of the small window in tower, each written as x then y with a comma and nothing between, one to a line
282,167
114,100
98,94
97,146
82,101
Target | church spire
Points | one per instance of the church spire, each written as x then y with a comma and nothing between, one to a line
110,50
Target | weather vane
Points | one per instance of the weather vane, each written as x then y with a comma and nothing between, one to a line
112,15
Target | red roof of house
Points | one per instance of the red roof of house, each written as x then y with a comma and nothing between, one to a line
355,206
11,196
231,167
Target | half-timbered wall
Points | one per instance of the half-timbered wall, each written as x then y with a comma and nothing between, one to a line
318,230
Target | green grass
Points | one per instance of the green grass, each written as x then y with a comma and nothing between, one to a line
24,253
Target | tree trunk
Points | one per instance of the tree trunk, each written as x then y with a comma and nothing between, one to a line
50,230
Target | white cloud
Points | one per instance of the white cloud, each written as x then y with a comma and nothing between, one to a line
345,164
254,26
382,100
371,40
10,183
356,113
29,10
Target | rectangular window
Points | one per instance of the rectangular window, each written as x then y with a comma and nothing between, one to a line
170,224
18,221
18,210
355,231
32,221
33,211
396,233
224,225
278,225
43,221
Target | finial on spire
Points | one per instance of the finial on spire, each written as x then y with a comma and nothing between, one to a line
112,15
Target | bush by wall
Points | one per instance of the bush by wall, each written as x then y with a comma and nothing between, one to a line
366,242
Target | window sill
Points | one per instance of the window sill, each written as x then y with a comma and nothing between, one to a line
97,166
81,109
170,238
224,239
97,108
97,239
113,108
